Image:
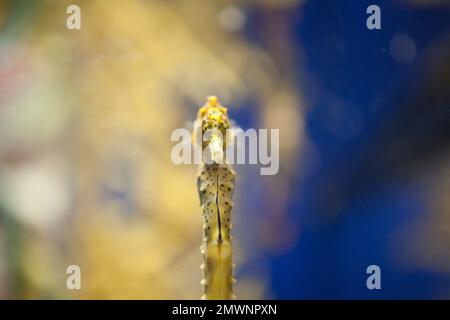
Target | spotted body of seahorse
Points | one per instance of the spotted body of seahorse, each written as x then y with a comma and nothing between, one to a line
215,185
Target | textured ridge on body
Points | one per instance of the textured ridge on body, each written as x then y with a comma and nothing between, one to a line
215,185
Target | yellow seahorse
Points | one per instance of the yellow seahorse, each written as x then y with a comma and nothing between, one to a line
215,184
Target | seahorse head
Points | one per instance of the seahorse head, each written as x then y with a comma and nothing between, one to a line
213,121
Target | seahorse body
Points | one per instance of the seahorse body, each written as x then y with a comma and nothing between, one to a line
215,185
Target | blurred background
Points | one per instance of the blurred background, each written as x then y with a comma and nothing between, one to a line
86,176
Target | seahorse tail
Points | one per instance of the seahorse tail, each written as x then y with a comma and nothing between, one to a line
217,269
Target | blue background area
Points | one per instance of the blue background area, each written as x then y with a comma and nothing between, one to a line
352,65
